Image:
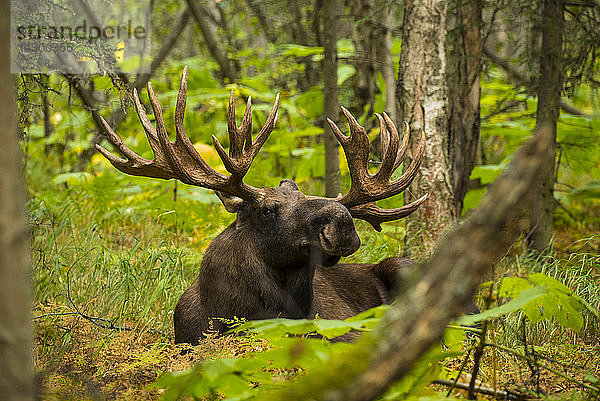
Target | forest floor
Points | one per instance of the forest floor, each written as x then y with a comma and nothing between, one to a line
96,363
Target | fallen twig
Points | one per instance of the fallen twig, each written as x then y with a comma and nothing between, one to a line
498,394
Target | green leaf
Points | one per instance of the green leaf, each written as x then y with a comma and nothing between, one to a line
519,302
295,50
487,173
335,328
454,338
591,378
73,178
590,190
511,287
550,282
344,72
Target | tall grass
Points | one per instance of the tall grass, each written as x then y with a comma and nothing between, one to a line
579,269
106,248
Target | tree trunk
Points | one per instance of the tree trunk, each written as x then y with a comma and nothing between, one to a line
464,65
548,108
331,107
384,55
256,7
301,36
422,95
16,379
364,37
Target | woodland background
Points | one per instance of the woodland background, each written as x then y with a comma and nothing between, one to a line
111,254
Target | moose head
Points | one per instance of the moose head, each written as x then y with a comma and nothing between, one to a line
280,256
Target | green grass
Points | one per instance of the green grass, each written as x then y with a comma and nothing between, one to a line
578,269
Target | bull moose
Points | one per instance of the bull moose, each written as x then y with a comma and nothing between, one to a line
279,258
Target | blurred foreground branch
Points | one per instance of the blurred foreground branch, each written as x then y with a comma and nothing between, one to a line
432,294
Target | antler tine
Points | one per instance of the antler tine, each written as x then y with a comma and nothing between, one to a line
356,147
389,149
239,138
409,175
267,128
405,137
238,161
145,121
181,139
180,107
167,148
375,215
383,135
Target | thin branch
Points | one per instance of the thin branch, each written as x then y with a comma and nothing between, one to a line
118,115
506,395
522,79
548,368
202,17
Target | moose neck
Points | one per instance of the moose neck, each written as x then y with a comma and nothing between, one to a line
298,285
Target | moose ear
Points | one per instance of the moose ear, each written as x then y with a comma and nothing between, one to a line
289,184
232,204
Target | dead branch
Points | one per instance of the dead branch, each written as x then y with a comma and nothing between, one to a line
498,394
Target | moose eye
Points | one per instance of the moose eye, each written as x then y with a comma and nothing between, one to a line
266,213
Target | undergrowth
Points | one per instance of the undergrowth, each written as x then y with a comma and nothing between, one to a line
112,254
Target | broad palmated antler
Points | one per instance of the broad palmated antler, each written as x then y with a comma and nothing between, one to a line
367,188
180,159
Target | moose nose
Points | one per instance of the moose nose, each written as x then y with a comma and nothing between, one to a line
337,235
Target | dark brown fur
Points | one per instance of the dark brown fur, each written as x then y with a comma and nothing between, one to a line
280,260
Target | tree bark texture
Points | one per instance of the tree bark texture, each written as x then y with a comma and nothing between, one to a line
16,379
364,37
464,64
549,91
433,294
372,38
331,107
384,54
422,95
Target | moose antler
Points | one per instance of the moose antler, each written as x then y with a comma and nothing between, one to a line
367,188
180,159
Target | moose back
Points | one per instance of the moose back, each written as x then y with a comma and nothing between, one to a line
279,258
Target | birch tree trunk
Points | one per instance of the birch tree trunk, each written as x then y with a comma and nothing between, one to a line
16,381
422,95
